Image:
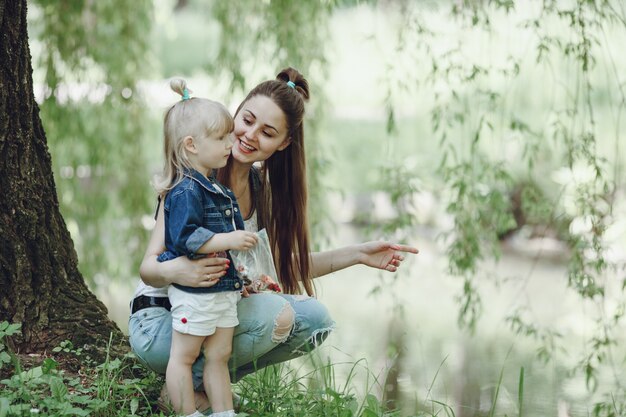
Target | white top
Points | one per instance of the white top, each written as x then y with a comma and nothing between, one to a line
250,225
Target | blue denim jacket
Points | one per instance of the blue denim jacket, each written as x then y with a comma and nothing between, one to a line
195,210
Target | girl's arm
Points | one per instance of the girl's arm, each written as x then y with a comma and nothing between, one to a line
236,240
203,272
376,254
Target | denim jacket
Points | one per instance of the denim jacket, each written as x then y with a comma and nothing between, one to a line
195,210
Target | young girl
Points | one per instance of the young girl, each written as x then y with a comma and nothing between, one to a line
201,217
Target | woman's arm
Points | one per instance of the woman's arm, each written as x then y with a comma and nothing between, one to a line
204,272
376,254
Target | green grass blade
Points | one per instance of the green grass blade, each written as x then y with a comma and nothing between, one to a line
520,392
495,397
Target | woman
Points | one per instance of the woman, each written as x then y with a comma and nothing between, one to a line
272,327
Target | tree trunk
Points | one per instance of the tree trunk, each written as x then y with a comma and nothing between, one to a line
41,286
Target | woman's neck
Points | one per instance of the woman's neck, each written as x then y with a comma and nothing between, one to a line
238,176
239,183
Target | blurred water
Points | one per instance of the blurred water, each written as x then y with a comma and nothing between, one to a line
442,362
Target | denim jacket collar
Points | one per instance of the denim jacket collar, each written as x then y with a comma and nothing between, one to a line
208,184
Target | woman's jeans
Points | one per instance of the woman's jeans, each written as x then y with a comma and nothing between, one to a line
254,346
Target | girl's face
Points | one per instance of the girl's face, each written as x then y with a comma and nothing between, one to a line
260,130
211,152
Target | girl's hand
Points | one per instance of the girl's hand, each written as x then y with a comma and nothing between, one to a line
203,272
383,255
242,240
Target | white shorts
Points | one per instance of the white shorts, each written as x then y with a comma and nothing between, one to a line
199,314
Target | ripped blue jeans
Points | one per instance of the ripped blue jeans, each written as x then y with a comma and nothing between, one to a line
272,328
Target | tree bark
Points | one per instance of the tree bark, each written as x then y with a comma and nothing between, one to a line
41,286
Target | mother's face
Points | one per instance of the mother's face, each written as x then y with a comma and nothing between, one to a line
260,130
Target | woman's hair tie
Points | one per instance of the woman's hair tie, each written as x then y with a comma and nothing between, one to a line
291,84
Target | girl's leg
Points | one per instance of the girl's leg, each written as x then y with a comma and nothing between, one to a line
217,349
184,351
150,336
312,326
266,320
262,319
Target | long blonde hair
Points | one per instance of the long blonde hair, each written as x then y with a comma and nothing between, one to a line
195,117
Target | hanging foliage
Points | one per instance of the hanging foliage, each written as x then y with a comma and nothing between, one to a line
501,168
90,57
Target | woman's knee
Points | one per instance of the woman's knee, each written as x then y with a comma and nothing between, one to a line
283,324
257,314
313,314
314,323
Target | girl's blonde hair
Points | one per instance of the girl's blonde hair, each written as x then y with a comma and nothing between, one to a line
195,117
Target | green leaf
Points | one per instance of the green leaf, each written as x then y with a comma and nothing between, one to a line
32,373
7,329
48,365
13,329
73,411
4,406
372,403
57,388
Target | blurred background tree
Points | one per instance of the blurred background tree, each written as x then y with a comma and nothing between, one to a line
89,58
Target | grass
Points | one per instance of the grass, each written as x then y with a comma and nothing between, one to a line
52,387
122,387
